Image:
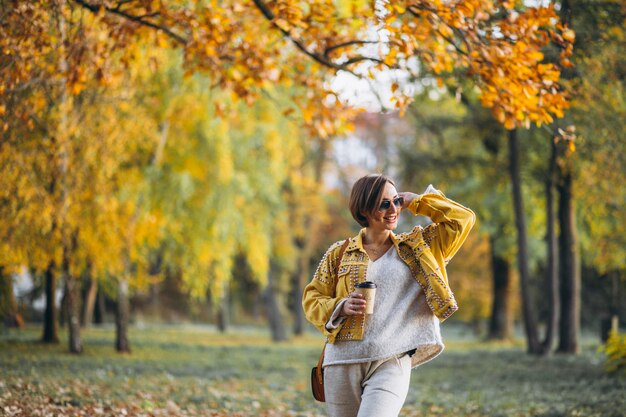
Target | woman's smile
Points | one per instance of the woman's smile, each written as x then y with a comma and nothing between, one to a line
391,218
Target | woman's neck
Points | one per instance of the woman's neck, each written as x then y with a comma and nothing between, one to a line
376,237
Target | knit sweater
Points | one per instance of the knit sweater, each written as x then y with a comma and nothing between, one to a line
402,320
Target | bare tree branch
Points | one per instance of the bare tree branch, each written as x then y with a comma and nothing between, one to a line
95,8
320,58
317,57
333,48
357,59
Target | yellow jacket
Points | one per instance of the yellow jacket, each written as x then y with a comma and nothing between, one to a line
426,251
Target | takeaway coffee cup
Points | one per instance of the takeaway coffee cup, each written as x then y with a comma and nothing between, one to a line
368,289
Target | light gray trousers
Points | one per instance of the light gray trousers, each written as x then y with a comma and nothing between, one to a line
370,389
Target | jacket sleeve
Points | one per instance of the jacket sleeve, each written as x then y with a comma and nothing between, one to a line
319,298
451,222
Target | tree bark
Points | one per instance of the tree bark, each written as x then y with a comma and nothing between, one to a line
501,321
305,246
50,325
223,313
63,309
530,324
569,329
72,299
296,295
277,326
298,278
614,309
8,304
100,307
122,343
71,290
552,273
89,303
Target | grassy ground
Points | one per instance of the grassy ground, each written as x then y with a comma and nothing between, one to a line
188,371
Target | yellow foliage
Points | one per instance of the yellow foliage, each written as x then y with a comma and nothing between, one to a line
257,248
615,351
93,121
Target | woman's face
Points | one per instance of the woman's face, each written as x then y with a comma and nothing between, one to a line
385,219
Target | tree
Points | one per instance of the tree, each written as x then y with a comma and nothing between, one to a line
598,113
244,45
56,221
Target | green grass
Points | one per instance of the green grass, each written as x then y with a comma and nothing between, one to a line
187,371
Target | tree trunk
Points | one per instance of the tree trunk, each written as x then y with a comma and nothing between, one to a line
100,307
72,300
530,324
8,304
90,301
569,267
296,295
223,313
154,300
501,322
614,309
50,325
122,343
73,320
569,328
306,245
277,327
299,277
63,309
552,273
154,289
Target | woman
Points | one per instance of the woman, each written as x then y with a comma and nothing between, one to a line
368,358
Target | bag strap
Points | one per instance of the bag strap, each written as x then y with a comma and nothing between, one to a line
318,368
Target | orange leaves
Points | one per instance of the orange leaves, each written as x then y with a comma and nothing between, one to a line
517,87
245,47
569,35
502,52
390,58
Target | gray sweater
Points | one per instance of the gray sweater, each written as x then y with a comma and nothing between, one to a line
402,320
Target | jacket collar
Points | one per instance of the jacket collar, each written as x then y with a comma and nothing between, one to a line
356,242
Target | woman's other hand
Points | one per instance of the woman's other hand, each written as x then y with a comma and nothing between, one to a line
354,305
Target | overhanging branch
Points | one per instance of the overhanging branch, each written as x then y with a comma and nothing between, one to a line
95,8
322,59
269,15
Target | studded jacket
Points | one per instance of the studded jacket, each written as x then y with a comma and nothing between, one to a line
425,250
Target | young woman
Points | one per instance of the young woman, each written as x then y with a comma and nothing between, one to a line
369,357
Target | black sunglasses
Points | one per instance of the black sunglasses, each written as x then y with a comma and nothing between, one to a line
385,204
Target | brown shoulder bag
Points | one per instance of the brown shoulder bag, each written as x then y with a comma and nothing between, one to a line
317,373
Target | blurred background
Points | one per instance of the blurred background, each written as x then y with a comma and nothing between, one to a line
164,184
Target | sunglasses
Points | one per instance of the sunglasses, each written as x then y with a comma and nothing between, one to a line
385,204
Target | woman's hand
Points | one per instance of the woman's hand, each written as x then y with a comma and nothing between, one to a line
407,197
354,305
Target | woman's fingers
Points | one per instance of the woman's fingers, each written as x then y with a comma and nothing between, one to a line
355,304
407,197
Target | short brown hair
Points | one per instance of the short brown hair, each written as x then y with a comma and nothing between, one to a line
366,195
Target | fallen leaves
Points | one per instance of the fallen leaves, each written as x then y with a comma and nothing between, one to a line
29,400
